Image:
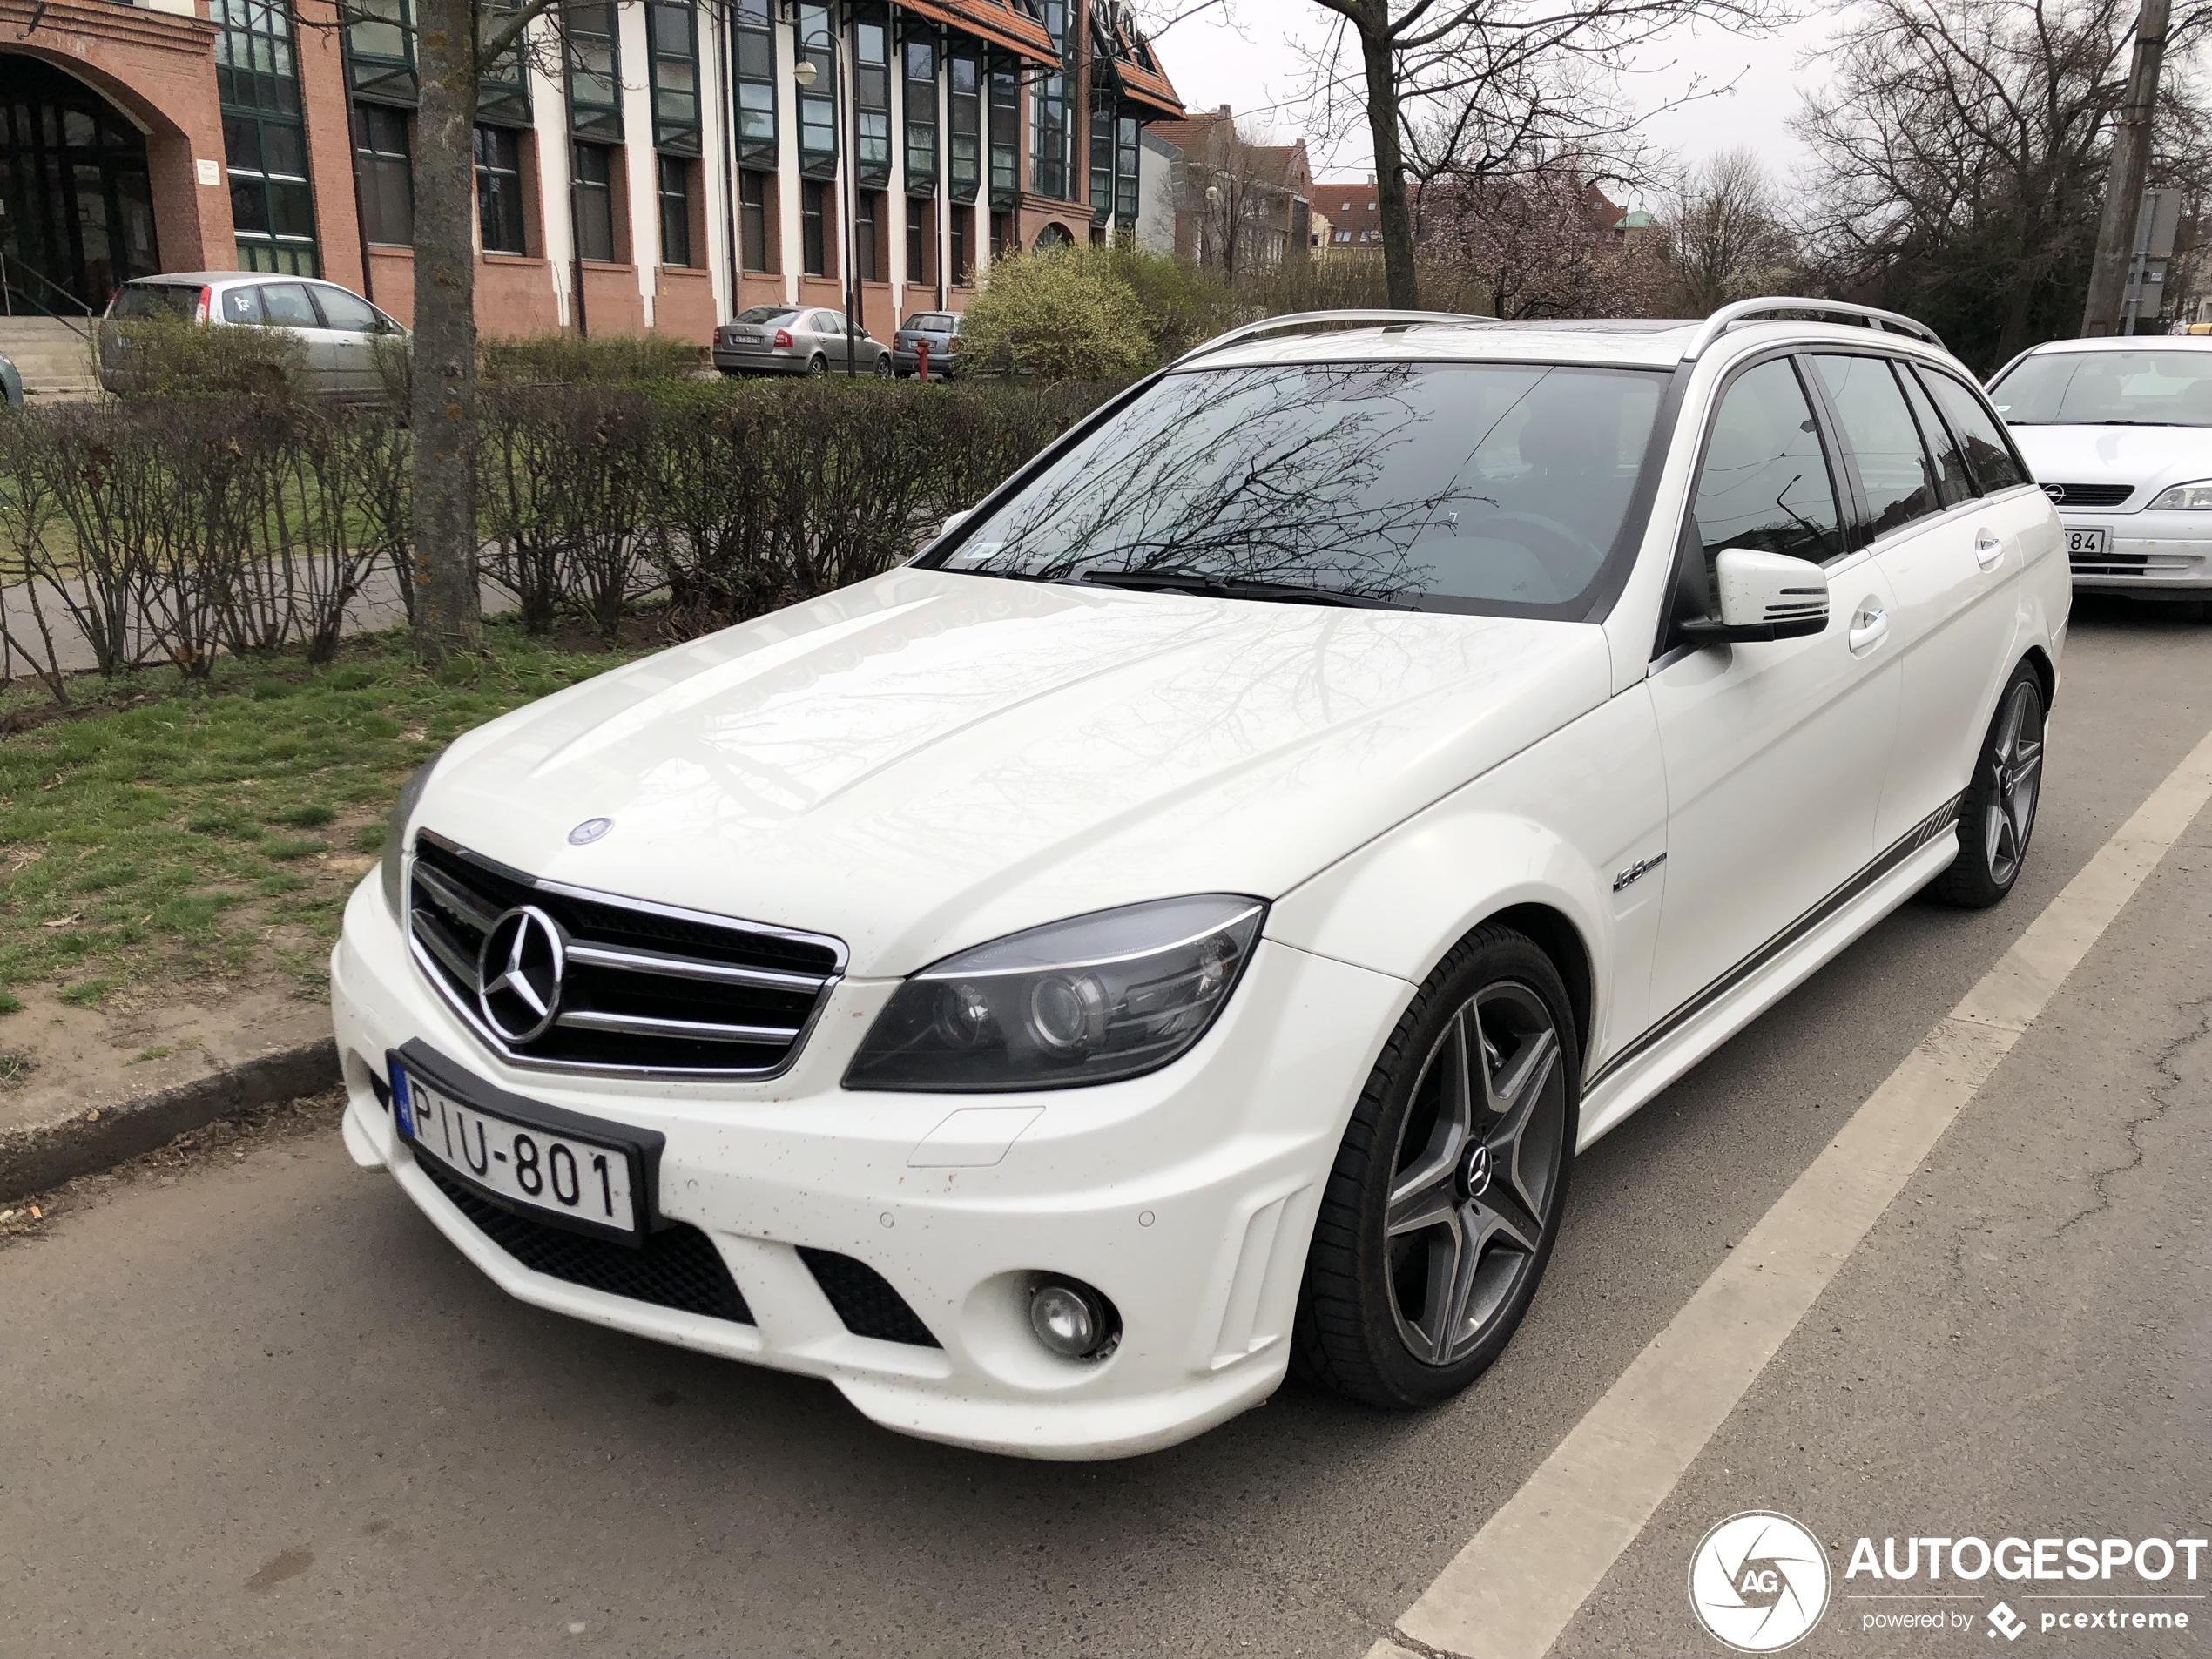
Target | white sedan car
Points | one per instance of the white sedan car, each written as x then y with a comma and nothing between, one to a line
1182,926
2120,433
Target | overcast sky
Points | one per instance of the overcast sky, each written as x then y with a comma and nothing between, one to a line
1245,53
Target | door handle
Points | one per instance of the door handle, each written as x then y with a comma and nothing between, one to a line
1868,625
1988,549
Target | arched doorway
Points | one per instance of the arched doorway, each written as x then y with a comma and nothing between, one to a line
1053,235
76,208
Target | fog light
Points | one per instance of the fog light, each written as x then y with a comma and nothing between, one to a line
1072,1319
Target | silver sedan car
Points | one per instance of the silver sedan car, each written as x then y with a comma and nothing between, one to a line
795,340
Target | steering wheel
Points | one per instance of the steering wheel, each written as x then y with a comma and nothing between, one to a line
1558,545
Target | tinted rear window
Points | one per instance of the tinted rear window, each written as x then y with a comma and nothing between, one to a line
931,323
766,313
136,301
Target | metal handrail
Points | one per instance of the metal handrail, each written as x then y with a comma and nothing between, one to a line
1728,315
33,270
1314,319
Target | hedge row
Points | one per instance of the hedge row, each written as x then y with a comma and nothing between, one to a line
170,530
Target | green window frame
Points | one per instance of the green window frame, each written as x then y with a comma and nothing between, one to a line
964,117
675,181
503,88
918,57
1128,147
752,73
672,33
595,70
1101,155
384,174
500,224
872,100
1052,115
818,102
380,51
265,142
1005,139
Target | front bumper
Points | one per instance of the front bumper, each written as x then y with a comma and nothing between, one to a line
1187,1196
2146,553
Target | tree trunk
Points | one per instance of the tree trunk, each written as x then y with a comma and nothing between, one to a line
447,615
1381,65
2124,181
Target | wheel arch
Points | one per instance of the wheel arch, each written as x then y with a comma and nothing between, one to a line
2046,673
1555,933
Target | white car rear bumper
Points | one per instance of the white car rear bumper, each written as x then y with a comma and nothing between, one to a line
1187,1196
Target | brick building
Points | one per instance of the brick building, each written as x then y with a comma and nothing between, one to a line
641,164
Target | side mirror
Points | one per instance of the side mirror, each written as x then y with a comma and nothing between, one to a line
1763,596
953,522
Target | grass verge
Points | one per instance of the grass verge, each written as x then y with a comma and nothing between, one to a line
162,830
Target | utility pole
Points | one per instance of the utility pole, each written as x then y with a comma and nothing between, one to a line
2129,170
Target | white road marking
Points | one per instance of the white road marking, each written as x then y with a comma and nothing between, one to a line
1513,1589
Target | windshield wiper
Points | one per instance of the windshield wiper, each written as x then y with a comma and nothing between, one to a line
1235,587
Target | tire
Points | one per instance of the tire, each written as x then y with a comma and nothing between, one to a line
1390,1313
817,366
1996,815
883,369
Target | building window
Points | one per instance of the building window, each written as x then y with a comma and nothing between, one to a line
872,100
383,174
753,46
813,227
1003,236
1127,146
964,94
675,210
503,90
380,50
1102,156
1052,115
499,190
963,221
1006,142
265,145
921,239
594,187
595,72
818,102
868,235
673,30
752,220
921,58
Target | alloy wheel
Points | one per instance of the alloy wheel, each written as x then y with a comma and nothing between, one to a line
1475,1179
2009,816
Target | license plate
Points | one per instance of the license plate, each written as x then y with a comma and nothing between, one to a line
532,1168
2086,543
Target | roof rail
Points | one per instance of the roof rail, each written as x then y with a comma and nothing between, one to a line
1314,319
1742,310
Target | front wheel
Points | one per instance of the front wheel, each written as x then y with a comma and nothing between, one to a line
1445,1199
883,369
1997,814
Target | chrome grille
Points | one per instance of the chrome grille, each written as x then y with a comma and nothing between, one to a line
641,987
2089,495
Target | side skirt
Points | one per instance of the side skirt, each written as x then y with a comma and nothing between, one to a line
1678,1041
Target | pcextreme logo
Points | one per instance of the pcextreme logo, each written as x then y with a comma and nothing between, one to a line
1759,1582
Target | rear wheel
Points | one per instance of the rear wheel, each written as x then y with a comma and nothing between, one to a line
818,365
1445,1196
1996,815
883,367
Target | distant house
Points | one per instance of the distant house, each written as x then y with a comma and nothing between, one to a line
1354,214
1228,201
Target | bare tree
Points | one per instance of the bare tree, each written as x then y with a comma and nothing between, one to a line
1959,159
1725,230
1241,194
1482,89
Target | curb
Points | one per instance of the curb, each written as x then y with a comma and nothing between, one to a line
32,1160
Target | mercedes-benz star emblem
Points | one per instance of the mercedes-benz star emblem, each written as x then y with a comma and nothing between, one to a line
589,830
1476,1174
519,971
2056,492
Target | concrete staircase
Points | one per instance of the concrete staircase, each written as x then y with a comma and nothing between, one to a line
52,357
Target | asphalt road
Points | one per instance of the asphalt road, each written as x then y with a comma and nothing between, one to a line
265,1410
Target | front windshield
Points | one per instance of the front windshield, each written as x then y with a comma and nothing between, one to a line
2107,388
1497,487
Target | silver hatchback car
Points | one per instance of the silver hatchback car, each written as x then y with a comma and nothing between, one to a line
341,329
795,340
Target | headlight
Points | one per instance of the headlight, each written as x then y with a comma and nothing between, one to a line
2196,496
394,863
1111,995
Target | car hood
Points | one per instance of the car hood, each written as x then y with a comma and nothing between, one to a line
2149,457
927,760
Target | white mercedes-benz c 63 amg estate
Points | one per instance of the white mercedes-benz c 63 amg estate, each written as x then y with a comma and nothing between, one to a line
1181,927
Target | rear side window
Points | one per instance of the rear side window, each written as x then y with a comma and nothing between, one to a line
137,301
1892,467
242,305
1952,476
1766,483
285,305
1994,465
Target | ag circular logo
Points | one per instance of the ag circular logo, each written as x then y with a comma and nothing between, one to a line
1759,1582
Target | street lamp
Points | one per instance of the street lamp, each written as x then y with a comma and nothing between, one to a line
848,189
